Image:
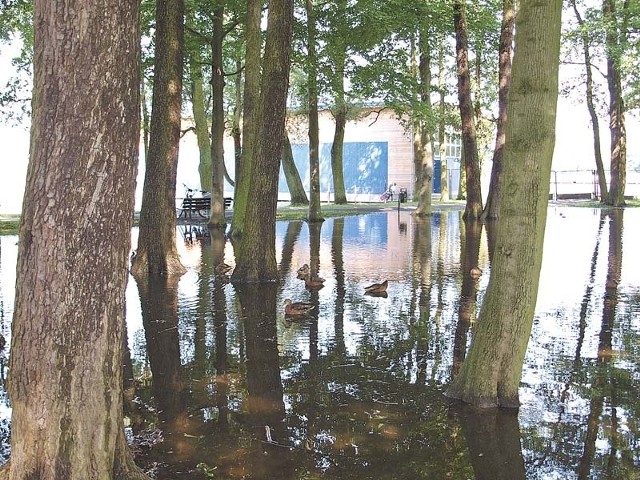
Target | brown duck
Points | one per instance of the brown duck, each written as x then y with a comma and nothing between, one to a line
223,268
312,282
377,288
303,271
297,309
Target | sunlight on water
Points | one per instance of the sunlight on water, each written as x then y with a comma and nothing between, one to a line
354,390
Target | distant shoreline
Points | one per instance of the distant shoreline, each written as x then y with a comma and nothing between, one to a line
9,223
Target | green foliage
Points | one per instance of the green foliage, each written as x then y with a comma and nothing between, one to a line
16,21
16,28
587,22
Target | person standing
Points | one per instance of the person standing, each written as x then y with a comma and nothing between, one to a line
393,189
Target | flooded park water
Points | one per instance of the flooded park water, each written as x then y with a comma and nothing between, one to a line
220,384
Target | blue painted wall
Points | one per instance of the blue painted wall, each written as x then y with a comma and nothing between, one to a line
365,165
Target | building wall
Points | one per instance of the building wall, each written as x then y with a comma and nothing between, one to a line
375,127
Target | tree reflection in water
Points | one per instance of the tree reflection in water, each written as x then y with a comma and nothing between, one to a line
225,388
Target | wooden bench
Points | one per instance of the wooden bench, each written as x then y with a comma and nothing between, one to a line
199,205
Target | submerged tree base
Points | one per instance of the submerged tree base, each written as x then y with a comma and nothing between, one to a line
480,402
142,267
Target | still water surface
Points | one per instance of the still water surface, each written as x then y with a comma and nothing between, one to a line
225,387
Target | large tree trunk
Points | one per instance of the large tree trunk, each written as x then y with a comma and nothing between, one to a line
256,258
217,218
424,159
157,254
504,81
67,331
291,174
201,124
471,162
617,129
491,373
250,121
315,215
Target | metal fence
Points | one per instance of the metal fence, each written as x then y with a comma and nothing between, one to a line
584,184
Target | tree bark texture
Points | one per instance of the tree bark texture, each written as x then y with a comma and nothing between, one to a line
157,254
217,218
250,123
491,373
256,258
471,164
66,380
504,81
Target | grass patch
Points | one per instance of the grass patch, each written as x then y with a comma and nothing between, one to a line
332,210
329,210
595,203
9,227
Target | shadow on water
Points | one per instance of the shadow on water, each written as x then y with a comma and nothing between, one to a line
219,384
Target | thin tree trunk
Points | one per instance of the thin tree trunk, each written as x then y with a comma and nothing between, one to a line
424,170
315,214
296,188
145,117
595,123
504,81
444,171
337,153
490,376
217,218
66,381
341,108
157,254
472,166
236,131
200,121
